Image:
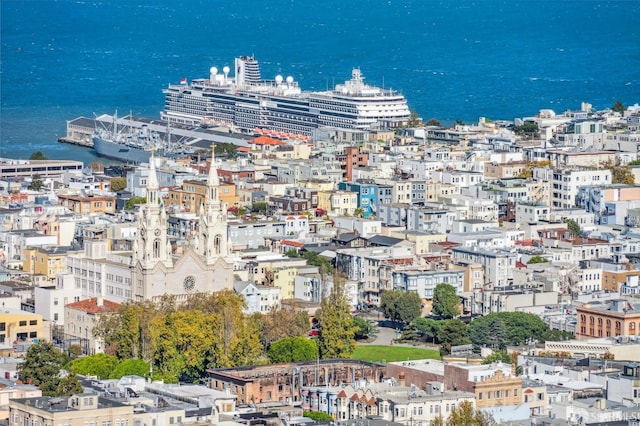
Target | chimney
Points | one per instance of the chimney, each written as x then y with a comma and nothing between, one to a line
401,378
99,301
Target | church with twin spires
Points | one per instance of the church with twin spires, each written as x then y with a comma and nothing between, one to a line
205,264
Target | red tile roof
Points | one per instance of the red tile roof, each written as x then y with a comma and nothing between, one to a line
265,140
292,243
90,306
520,265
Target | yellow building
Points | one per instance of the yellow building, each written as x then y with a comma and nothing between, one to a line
20,326
283,278
46,261
611,280
422,240
88,204
191,195
338,202
493,384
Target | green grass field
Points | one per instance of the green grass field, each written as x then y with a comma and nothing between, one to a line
392,353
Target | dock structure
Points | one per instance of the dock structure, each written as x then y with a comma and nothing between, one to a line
80,131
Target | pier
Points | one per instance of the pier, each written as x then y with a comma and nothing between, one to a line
80,131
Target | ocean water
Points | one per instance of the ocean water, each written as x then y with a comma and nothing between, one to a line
452,60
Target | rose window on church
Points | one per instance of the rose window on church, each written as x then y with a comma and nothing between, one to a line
189,283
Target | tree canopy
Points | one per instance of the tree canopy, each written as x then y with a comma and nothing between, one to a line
293,349
401,306
433,122
465,415
446,302
133,202
36,183
573,227
38,155
528,129
182,341
363,328
41,367
619,173
118,183
454,333
100,365
537,259
618,106
336,330
497,330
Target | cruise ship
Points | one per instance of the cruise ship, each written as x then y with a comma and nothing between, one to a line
247,103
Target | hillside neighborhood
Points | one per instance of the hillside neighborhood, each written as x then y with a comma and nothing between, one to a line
179,268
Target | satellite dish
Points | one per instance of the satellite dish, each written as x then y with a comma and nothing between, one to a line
289,80
226,70
213,70
278,79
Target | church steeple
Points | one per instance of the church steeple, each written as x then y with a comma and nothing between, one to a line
151,242
212,238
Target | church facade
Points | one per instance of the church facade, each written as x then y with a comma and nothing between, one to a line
204,266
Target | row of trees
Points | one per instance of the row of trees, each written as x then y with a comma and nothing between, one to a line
182,340
496,331
405,306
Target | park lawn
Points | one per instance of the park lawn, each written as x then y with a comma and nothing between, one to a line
373,353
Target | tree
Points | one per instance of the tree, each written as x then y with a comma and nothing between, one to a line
433,122
336,328
41,367
528,129
131,367
226,149
259,207
401,306
293,349
517,328
465,415
388,302
359,212
619,173
618,107
118,183
527,170
38,155
133,202
573,227
502,356
537,259
446,302
69,385
99,365
428,327
315,259
36,183
281,323
414,119
453,334
292,253
363,328
318,416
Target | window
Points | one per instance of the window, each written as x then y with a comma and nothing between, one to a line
480,396
22,323
33,322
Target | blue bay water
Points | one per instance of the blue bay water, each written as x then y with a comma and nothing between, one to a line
452,60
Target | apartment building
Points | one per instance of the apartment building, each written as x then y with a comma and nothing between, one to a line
79,319
609,318
565,184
